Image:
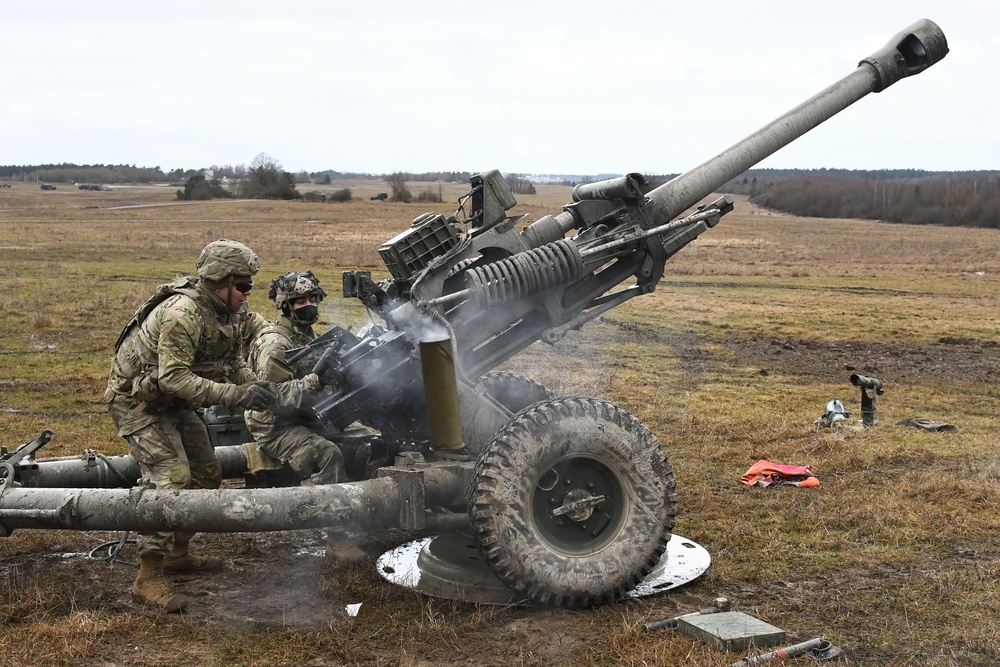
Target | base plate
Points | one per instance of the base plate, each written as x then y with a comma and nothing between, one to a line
449,566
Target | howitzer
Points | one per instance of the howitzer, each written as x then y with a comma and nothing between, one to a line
571,500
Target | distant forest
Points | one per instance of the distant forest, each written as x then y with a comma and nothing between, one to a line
83,173
122,173
965,198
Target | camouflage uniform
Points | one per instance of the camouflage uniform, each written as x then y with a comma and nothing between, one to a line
294,437
251,326
182,354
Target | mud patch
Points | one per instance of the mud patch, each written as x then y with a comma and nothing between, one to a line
949,360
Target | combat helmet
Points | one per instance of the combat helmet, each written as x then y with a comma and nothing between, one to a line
224,258
293,285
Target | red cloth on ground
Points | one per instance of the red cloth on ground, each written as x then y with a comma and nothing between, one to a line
765,473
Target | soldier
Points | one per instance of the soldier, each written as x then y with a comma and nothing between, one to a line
296,438
181,351
292,438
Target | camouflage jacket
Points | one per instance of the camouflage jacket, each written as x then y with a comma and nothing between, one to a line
266,358
180,348
251,325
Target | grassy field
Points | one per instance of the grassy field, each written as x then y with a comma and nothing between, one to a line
754,328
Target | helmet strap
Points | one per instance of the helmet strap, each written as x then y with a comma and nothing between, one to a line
229,293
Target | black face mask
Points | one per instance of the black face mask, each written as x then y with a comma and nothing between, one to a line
305,314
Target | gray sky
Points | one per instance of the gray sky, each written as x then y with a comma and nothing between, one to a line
569,87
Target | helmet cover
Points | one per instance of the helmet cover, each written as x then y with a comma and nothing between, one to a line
294,285
223,258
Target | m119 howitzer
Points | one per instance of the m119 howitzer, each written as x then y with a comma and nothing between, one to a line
571,500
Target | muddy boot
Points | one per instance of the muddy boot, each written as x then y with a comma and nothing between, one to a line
152,590
341,549
179,560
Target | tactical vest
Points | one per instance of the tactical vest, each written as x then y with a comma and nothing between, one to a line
136,364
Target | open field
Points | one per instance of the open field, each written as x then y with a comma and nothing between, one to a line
755,327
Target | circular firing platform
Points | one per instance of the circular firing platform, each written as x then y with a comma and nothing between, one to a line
449,566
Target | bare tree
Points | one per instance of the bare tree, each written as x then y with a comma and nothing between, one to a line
264,171
397,183
266,179
520,185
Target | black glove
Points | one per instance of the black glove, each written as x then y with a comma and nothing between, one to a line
257,396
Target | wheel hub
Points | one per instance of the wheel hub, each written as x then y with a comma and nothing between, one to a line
578,505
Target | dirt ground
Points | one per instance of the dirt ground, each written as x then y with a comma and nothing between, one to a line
283,582
281,601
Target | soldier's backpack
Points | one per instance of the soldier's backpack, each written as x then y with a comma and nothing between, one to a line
180,285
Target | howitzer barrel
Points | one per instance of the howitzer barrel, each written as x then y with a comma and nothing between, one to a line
909,52
373,503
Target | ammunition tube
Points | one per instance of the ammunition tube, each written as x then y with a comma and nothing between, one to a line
441,389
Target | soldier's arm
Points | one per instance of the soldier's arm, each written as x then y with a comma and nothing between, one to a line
267,361
181,332
241,370
267,357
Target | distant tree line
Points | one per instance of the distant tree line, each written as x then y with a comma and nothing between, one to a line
83,173
969,198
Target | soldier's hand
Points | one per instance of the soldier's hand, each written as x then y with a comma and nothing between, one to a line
257,396
312,382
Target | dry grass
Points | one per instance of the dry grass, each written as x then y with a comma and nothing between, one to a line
755,327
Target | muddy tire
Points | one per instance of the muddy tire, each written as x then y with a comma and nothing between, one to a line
572,502
514,392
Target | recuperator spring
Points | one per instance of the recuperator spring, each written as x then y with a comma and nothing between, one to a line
541,268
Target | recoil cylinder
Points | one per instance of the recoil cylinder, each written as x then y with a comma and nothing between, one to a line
545,267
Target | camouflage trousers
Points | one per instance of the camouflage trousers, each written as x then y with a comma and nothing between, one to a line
306,452
173,452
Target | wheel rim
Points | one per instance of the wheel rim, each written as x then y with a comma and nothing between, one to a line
576,505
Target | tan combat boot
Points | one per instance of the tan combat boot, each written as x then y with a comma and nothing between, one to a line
179,560
341,549
151,589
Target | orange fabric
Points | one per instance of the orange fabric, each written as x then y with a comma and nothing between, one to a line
765,473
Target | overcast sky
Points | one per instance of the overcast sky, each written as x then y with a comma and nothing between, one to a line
564,87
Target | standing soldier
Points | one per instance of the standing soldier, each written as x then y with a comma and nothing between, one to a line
181,351
296,437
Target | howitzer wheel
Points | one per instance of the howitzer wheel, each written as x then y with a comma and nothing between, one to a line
572,502
514,392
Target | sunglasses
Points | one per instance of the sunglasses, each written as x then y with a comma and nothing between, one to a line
244,287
